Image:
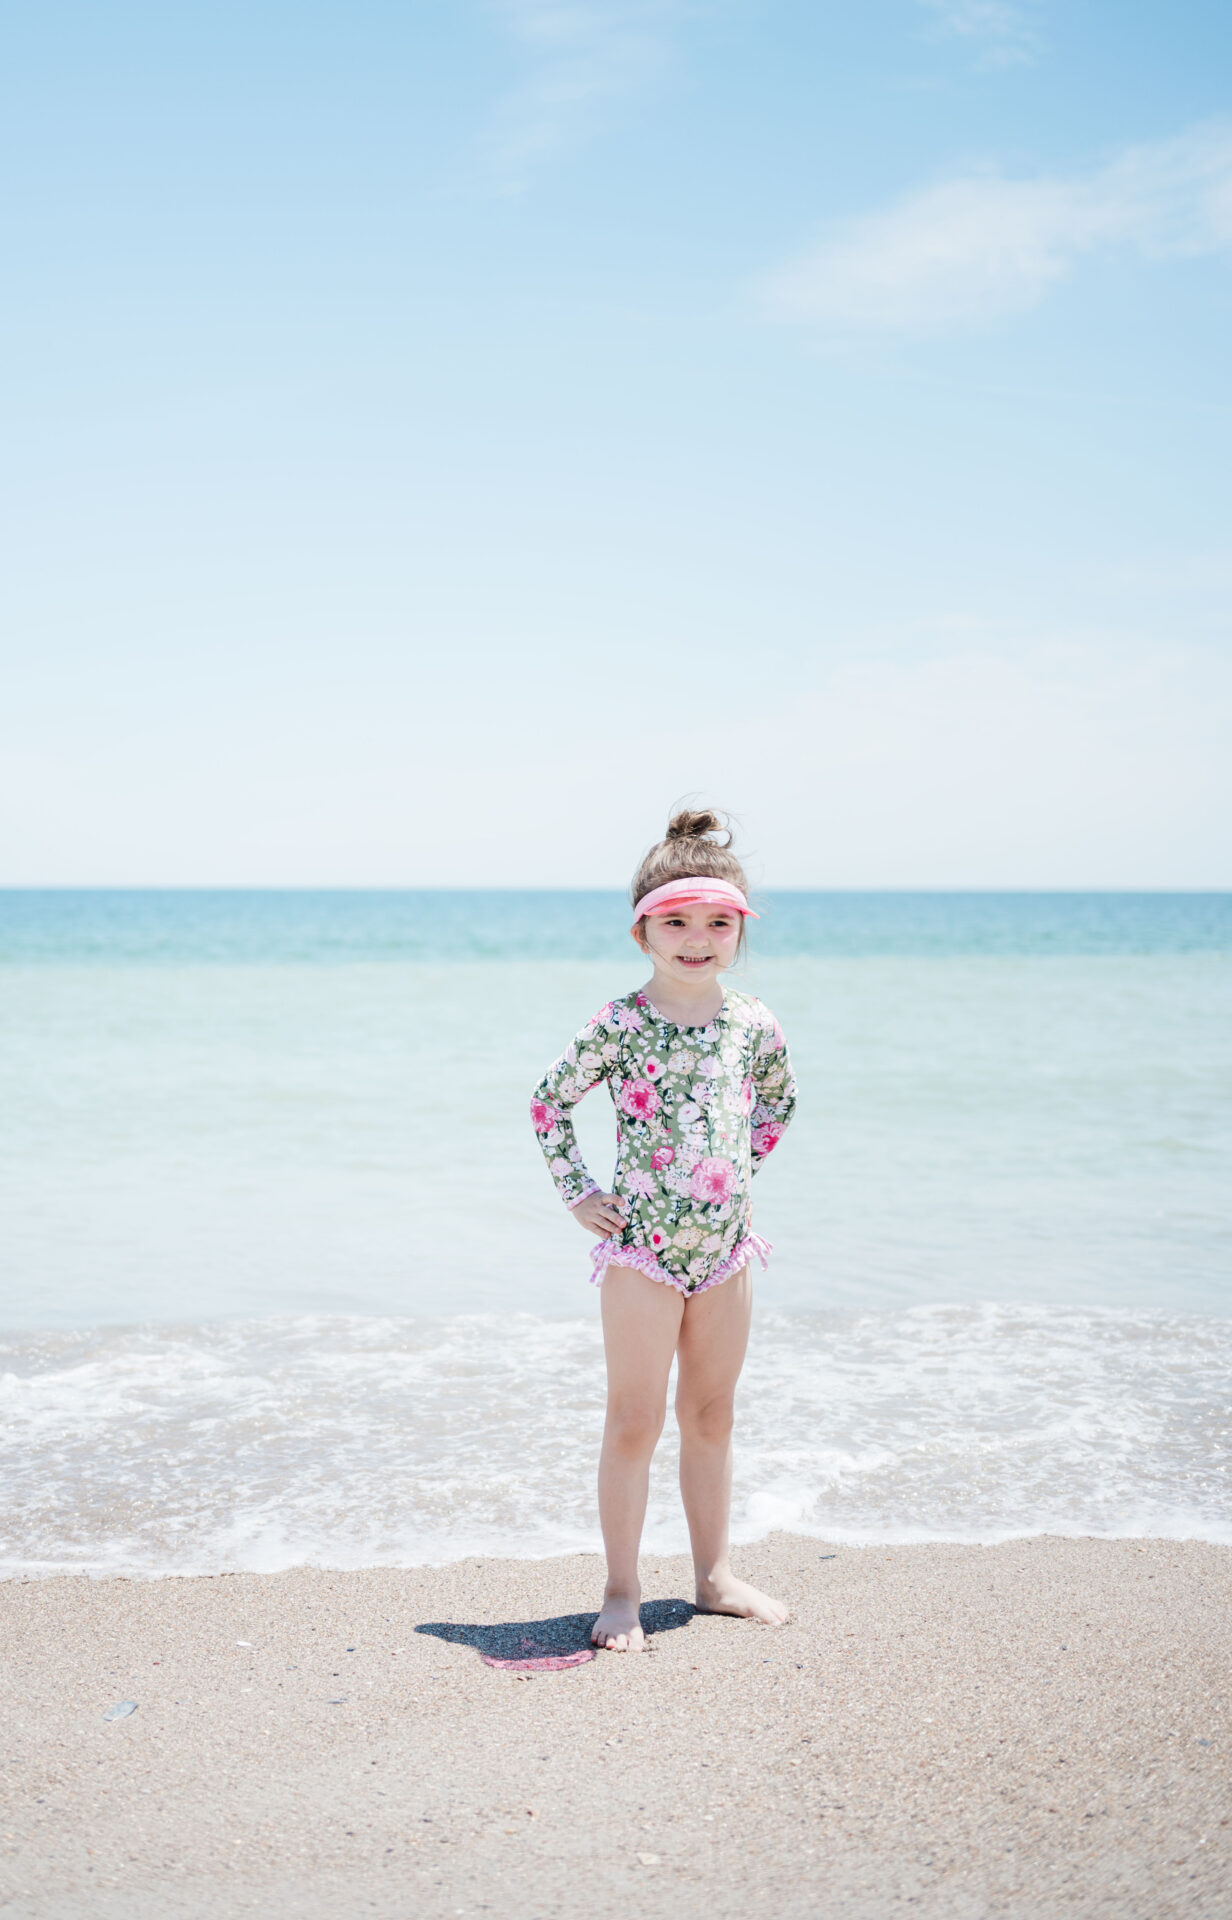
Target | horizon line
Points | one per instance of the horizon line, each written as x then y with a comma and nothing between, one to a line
299,888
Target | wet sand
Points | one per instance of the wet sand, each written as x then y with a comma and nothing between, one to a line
1038,1729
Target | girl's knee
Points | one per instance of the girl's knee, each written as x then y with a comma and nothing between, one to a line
633,1426
708,1421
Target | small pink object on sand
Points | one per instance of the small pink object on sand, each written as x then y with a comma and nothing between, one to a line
541,1662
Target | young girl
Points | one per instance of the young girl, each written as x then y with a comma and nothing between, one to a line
703,1089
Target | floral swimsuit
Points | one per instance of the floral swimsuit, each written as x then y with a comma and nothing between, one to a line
698,1109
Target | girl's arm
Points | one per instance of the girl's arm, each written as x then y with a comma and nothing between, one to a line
774,1092
590,1059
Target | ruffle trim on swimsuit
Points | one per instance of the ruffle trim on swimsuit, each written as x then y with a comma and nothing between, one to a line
609,1254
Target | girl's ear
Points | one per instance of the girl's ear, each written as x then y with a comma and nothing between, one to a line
638,930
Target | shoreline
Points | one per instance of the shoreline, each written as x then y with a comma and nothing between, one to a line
1038,1728
1219,1538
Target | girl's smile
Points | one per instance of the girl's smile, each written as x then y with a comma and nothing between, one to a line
696,940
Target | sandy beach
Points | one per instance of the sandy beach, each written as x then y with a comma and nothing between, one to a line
1034,1729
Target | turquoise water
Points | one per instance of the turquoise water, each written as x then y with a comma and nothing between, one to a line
274,1222
270,928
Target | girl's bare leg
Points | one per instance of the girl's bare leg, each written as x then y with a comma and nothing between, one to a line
641,1324
711,1346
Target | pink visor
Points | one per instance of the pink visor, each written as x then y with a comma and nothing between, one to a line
694,892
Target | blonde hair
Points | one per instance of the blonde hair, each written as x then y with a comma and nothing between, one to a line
690,850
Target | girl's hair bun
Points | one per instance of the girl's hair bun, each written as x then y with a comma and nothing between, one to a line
696,845
698,826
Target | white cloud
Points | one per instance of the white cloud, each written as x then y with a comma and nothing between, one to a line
999,31
586,53
968,250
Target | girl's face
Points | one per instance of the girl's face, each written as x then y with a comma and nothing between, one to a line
691,943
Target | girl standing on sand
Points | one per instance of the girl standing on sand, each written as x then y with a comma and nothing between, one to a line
703,1088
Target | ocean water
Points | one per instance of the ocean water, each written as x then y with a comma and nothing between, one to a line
284,1279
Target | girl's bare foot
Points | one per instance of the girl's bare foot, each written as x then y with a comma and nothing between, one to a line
619,1626
723,1593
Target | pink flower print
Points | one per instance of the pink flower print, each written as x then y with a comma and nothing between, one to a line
712,1243
640,1182
772,1042
543,1115
638,1099
746,1097
627,1018
713,1180
687,1113
709,1035
652,1068
662,1157
710,1066
657,1238
766,1139
762,1113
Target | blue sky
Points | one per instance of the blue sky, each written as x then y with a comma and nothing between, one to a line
437,438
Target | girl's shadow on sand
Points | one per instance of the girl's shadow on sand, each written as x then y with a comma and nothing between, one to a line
566,1633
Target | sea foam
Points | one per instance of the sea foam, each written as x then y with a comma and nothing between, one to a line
349,1441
